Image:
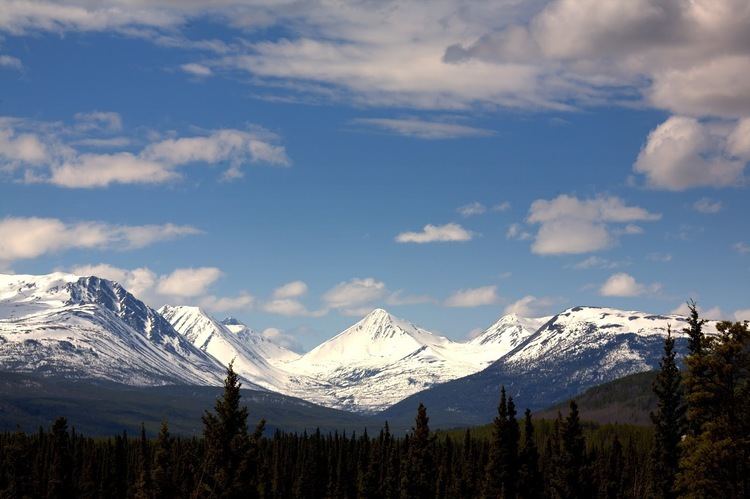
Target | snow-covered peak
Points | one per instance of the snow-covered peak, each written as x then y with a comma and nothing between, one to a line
377,338
507,333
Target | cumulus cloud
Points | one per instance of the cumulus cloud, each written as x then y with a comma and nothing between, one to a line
683,152
139,281
713,313
292,289
625,285
30,237
450,232
46,152
213,303
571,225
530,306
181,285
742,315
282,338
473,297
355,296
188,282
422,129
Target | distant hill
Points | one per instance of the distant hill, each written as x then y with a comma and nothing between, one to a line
625,400
107,408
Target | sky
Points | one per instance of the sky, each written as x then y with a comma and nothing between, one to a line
296,164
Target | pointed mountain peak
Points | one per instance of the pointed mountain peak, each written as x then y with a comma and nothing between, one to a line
233,321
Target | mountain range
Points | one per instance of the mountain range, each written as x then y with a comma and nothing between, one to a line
87,328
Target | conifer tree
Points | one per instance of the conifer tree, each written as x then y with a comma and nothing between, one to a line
668,422
226,441
419,480
143,481
571,481
161,473
716,461
61,481
495,471
530,478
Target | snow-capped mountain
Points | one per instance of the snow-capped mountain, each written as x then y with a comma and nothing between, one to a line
86,327
382,359
272,352
574,350
506,334
254,357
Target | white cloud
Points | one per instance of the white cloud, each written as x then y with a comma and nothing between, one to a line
355,295
30,237
471,209
517,232
292,289
196,69
530,306
450,232
741,247
101,170
683,152
281,338
8,61
713,313
707,206
421,129
571,225
213,303
182,284
473,297
45,152
742,315
504,206
401,298
106,120
659,257
139,281
188,282
625,285
596,262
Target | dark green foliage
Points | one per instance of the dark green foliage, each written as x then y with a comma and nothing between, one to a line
418,479
501,473
668,422
530,477
716,453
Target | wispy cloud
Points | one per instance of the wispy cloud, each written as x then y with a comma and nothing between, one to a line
451,232
422,129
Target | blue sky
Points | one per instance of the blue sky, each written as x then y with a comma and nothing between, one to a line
296,165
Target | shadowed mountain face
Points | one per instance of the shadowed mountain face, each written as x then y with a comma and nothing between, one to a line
577,349
86,327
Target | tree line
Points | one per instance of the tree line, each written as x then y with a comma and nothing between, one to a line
698,447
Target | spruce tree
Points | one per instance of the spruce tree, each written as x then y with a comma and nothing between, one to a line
226,441
419,480
60,484
668,422
530,485
495,472
143,480
716,461
161,473
571,480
